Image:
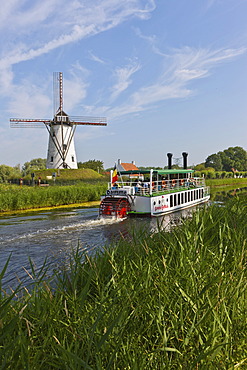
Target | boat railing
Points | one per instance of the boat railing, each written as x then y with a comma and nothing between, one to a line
162,186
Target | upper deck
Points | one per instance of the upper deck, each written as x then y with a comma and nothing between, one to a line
154,182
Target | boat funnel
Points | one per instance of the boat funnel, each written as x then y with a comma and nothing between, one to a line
169,155
185,155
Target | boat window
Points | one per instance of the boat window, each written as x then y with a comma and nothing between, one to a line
175,199
171,200
185,197
192,195
178,199
188,196
182,198
51,158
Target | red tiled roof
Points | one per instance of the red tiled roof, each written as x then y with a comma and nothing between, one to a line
129,166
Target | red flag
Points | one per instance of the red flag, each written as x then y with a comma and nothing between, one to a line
114,175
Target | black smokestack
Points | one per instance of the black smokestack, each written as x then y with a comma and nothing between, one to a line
185,155
169,155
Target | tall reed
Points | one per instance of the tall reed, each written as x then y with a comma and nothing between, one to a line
170,300
18,198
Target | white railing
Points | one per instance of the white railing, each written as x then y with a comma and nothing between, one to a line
145,188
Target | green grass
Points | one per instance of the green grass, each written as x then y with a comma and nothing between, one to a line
67,174
14,198
226,182
169,300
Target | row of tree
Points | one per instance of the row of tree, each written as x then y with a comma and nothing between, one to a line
233,159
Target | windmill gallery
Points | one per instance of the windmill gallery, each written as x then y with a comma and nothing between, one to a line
61,148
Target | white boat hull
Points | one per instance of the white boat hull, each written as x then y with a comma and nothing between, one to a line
162,204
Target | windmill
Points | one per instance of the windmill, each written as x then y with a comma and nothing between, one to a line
61,147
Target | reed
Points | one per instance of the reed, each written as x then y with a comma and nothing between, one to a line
14,198
170,300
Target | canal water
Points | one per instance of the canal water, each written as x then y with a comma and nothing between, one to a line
52,235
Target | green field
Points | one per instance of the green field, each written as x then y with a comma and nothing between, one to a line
241,182
168,300
67,174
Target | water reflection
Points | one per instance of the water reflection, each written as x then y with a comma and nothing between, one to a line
221,194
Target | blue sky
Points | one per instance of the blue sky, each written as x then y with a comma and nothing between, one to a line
170,76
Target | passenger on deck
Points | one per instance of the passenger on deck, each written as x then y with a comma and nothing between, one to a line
145,186
138,186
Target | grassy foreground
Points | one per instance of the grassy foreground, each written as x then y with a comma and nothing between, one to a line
170,300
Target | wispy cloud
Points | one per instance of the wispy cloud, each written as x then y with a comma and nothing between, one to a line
55,24
185,65
95,58
123,77
151,40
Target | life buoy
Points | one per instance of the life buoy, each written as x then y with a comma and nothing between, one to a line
152,185
182,182
173,182
163,184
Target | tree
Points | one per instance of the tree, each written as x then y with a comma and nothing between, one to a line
93,164
7,173
34,164
200,167
233,158
214,160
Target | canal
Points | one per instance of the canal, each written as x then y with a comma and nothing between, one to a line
52,235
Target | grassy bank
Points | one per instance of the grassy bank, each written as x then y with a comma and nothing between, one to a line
14,198
241,182
171,300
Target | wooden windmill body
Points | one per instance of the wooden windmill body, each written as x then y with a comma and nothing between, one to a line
61,147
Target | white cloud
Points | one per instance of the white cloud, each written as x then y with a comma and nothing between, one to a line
54,24
123,78
30,102
186,65
95,58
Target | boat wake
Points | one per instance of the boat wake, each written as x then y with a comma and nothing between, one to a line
68,229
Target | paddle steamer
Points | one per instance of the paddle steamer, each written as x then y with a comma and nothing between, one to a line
153,192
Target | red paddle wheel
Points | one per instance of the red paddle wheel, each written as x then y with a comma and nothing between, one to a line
118,207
